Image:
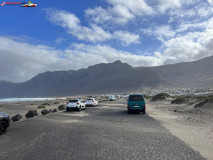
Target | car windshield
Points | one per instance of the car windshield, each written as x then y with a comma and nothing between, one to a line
73,100
136,98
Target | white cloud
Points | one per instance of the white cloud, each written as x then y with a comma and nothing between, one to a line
23,60
168,4
136,7
202,26
189,47
104,54
126,38
119,12
73,26
60,40
92,34
161,33
211,2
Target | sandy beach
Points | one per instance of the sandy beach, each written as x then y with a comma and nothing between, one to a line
192,125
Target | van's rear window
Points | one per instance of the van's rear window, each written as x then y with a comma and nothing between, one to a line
73,100
136,98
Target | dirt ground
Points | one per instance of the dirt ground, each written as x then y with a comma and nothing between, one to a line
192,125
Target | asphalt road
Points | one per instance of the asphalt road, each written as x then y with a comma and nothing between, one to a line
103,132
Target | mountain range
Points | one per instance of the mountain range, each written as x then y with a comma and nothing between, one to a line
114,77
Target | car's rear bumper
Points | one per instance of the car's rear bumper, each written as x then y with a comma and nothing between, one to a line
137,108
91,104
72,108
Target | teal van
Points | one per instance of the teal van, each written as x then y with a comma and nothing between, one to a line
136,102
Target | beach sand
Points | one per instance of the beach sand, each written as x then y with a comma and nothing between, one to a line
192,125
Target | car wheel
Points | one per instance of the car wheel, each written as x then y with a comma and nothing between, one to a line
84,108
67,109
129,111
3,127
79,109
144,112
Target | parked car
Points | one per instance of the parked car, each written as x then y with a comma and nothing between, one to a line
4,122
136,102
91,102
112,98
75,104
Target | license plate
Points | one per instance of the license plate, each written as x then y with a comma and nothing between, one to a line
136,106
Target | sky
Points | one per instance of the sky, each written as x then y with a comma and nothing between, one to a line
70,35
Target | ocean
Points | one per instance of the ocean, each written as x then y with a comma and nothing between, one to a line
5,100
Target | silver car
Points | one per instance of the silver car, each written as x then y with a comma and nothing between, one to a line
4,122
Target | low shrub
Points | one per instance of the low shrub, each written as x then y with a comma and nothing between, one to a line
146,96
46,104
204,101
41,107
0,106
56,103
160,96
179,100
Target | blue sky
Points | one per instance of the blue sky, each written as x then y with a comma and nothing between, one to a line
70,35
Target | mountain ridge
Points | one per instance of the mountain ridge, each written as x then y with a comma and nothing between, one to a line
116,77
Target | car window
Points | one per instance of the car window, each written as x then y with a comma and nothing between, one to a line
90,99
136,98
73,100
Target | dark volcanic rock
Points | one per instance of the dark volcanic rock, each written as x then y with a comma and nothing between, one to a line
55,110
50,111
17,117
44,112
61,107
31,113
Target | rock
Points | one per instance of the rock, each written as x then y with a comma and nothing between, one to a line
17,117
61,107
44,112
54,110
31,113
50,111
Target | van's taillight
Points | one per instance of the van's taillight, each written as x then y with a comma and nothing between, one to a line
144,106
92,101
128,106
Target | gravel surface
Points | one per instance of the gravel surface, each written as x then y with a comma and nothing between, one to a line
103,132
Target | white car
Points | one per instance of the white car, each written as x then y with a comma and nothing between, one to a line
112,98
75,104
91,102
